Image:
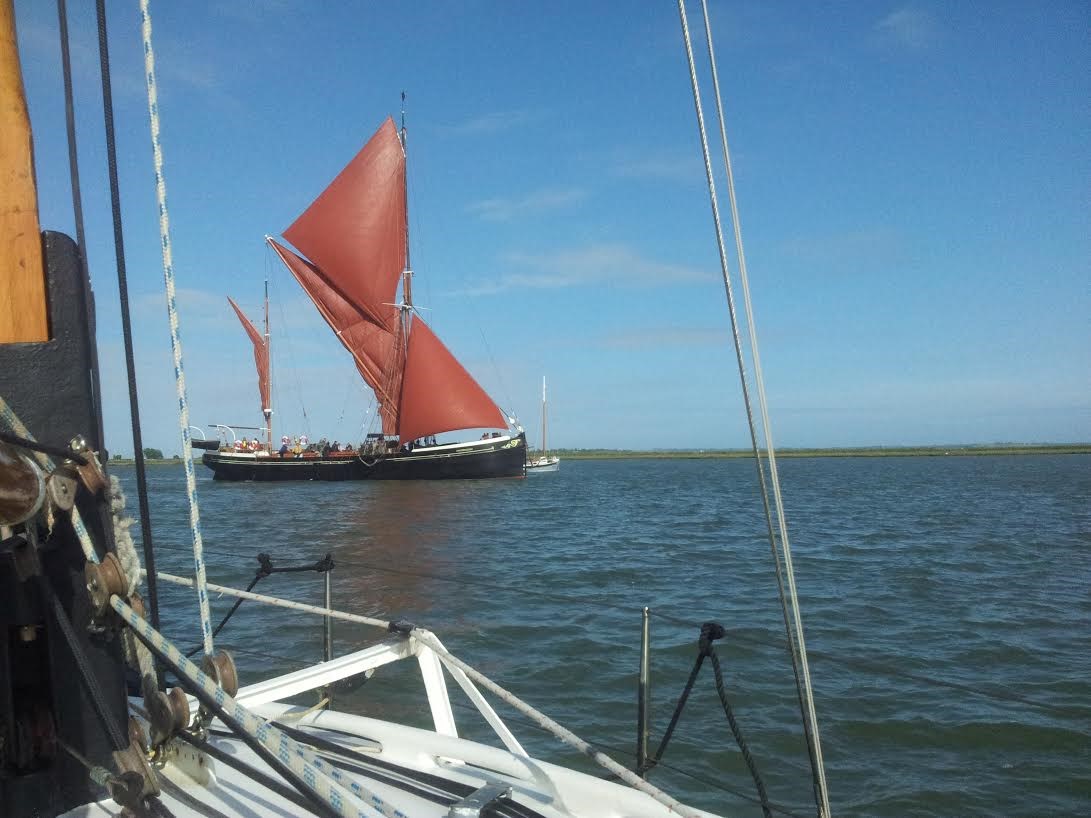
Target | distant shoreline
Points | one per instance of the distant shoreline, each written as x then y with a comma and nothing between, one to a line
869,451
721,454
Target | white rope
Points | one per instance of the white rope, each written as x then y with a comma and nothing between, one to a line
277,602
763,406
175,339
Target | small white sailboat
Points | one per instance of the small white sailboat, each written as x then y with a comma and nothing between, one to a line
544,462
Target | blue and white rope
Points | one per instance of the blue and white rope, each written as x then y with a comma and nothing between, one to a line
12,421
175,339
327,781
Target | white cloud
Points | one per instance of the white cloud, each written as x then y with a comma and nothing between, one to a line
493,122
668,336
661,168
849,251
907,28
501,209
616,264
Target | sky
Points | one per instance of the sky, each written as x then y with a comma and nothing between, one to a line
913,184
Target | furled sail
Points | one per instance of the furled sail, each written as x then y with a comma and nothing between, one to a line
354,232
261,357
438,394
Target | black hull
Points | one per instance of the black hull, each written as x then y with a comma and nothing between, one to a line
496,457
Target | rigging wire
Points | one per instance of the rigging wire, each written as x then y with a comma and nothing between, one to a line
795,638
293,364
814,746
123,294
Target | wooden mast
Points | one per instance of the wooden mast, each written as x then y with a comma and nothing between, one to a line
268,410
23,307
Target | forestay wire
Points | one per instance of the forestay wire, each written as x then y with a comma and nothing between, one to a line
795,636
175,339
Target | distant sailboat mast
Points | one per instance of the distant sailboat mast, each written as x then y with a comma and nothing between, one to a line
544,450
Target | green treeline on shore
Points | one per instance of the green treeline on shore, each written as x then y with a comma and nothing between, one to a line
869,451
698,454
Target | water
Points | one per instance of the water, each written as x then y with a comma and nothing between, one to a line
967,570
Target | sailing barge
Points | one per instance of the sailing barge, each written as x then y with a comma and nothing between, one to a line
353,261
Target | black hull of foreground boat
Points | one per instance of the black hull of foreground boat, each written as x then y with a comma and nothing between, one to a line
495,457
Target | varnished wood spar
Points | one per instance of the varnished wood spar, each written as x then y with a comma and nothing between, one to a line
23,312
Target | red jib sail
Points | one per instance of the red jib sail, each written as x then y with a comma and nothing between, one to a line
354,239
438,394
261,356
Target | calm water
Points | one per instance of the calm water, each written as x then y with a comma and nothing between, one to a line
970,571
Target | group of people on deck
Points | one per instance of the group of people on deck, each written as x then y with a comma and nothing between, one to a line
300,445
244,445
297,446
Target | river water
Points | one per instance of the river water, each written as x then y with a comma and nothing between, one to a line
945,601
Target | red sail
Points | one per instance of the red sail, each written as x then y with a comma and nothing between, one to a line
438,394
354,232
261,356
371,344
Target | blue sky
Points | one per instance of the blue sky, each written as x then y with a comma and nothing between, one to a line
913,182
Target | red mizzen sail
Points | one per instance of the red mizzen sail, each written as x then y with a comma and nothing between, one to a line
355,242
438,394
261,356
354,232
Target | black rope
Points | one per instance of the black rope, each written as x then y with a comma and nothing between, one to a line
711,631
267,781
884,669
87,675
126,323
257,577
623,751
77,213
266,568
34,446
236,727
751,765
